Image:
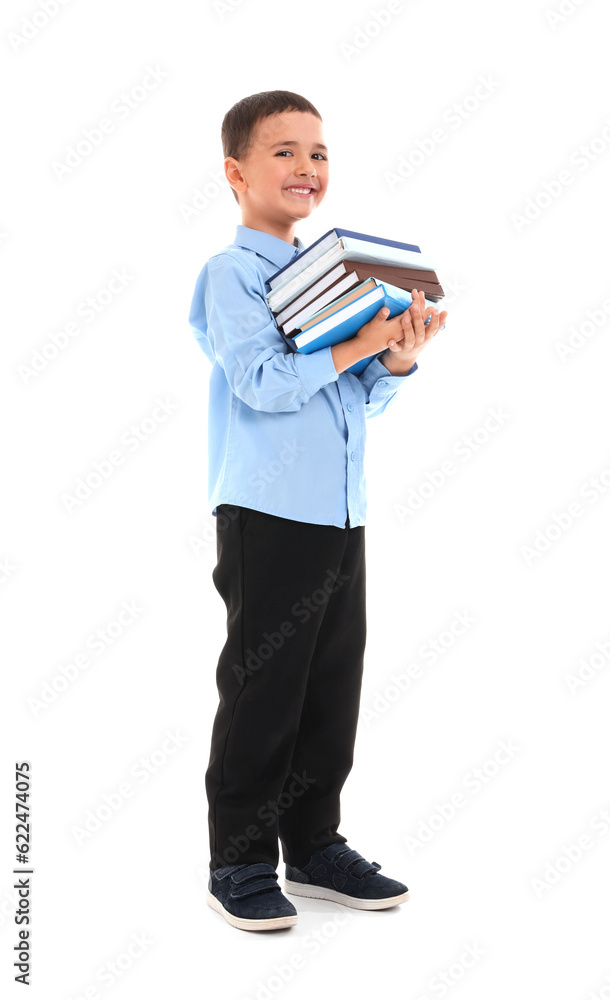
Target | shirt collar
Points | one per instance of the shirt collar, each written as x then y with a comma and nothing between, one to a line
278,251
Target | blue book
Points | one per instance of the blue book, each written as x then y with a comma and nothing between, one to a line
343,318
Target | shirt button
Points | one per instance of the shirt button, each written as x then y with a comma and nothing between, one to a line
382,382
350,407
353,456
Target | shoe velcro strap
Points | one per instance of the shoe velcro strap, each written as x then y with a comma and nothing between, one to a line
252,888
219,877
250,872
346,858
355,864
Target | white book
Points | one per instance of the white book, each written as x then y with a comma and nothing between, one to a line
295,304
342,286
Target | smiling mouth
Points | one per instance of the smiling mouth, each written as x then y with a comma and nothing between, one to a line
301,192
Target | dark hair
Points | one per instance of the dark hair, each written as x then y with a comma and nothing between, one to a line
239,123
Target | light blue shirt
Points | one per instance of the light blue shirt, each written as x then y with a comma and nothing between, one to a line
286,432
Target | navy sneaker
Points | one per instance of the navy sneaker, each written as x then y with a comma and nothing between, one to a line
344,876
249,898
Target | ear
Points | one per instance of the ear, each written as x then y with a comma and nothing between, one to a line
233,174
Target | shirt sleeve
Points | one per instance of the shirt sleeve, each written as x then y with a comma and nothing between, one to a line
380,386
230,312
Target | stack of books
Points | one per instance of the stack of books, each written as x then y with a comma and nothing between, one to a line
333,287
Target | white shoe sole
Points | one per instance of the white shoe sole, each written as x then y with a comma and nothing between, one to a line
319,892
244,924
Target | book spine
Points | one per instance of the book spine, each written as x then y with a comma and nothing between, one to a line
340,287
300,301
310,253
377,239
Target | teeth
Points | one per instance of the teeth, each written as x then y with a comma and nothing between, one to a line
300,190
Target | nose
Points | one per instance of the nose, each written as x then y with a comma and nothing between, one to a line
307,167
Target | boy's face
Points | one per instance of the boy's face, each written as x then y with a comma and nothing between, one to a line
288,152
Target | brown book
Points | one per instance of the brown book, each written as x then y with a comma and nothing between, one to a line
402,277
307,303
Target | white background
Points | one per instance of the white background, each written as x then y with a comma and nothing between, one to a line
499,876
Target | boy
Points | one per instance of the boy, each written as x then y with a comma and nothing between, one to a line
286,441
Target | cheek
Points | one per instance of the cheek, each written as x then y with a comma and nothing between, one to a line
280,173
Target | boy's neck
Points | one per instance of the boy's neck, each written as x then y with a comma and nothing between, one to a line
283,232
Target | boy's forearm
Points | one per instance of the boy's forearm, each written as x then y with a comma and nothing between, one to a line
346,354
395,367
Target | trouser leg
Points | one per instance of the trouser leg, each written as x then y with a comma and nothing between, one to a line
274,575
327,728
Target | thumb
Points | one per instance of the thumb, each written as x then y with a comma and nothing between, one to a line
383,313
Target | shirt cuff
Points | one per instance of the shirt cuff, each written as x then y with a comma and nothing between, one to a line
376,372
316,369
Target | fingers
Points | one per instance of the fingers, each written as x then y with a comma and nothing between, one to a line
424,322
419,323
418,314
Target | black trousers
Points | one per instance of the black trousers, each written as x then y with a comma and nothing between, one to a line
289,679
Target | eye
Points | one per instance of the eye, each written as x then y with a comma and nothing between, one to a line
281,151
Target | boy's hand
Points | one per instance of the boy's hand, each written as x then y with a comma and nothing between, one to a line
403,351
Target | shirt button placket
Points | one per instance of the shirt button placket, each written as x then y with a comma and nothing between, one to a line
352,430
351,452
